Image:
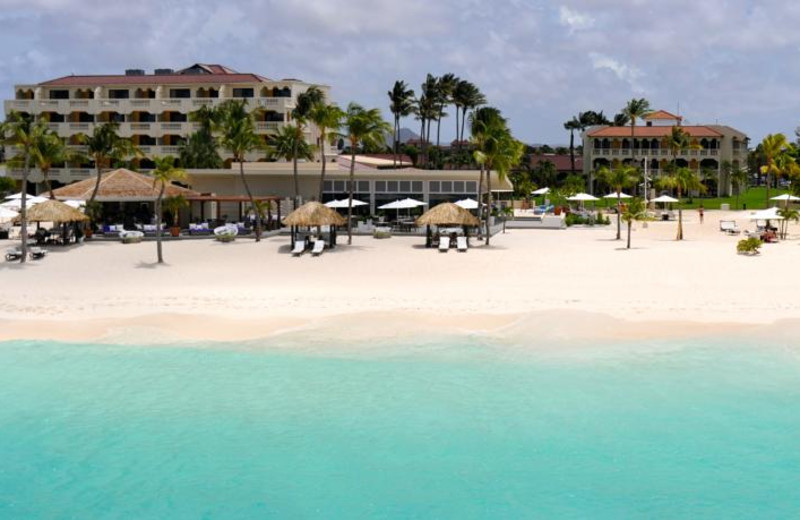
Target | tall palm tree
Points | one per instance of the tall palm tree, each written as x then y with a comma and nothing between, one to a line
634,210
50,149
471,99
290,144
682,180
445,85
306,102
618,179
572,125
163,174
481,120
738,178
679,141
401,104
495,149
201,148
427,111
237,135
22,132
106,146
636,108
328,119
621,120
363,127
773,148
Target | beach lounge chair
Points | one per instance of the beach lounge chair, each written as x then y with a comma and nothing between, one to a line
13,254
319,247
461,244
729,227
299,248
37,253
444,244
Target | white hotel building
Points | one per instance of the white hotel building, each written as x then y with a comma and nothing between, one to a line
152,109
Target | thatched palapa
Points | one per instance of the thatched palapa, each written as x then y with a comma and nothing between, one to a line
54,211
448,214
120,185
313,214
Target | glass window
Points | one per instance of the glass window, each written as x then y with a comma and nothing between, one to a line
416,186
59,94
243,93
433,186
472,187
180,93
119,94
328,186
447,187
363,186
405,186
458,186
391,186
380,186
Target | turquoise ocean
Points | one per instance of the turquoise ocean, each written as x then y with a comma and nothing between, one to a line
446,428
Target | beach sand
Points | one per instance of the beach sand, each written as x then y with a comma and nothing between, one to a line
573,283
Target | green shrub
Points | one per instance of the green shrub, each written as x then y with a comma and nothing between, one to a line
748,246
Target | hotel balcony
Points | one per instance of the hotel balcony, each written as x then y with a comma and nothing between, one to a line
658,152
126,106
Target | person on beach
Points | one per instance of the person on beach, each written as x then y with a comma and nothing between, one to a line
700,210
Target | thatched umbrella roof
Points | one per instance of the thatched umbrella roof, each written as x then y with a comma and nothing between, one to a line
314,214
447,214
54,211
119,186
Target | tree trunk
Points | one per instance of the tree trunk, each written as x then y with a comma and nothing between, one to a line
294,170
421,140
322,177
97,182
350,193
629,235
23,210
488,204
619,215
396,134
158,224
250,196
480,200
572,151
48,182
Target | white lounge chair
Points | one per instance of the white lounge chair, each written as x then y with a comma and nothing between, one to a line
729,227
319,247
13,253
444,244
461,244
37,253
299,248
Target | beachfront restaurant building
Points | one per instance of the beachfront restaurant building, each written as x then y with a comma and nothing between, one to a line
372,185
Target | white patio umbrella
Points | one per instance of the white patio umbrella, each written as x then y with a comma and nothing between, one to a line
344,203
614,196
16,204
541,191
7,215
406,203
582,197
786,198
29,198
766,214
665,199
467,203
77,204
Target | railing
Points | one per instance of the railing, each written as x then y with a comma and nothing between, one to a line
172,126
170,150
79,103
265,126
79,126
141,102
140,126
203,102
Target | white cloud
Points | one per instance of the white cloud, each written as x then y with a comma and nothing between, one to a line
623,72
574,20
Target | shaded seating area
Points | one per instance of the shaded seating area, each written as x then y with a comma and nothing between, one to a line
311,224
450,221
66,223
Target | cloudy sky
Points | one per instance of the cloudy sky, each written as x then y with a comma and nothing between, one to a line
540,61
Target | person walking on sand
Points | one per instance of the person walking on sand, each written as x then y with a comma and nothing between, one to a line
700,210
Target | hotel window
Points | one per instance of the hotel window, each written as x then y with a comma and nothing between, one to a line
416,186
380,186
472,187
433,186
458,186
405,186
243,93
59,94
447,187
119,94
180,93
391,186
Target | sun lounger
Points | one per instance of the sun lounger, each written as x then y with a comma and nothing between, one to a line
729,227
444,244
13,254
319,247
299,248
461,244
37,253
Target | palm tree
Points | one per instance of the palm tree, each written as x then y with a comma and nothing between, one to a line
305,105
105,146
470,98
328,119
773,148
634,210
237,135
445,86
678,141
682,180
636,108
427,111
738,178
480,120
572,125
50,149
23,132
290,144
200,150
618,179
621,120
363,128
788,214
163,174
401,104
496,149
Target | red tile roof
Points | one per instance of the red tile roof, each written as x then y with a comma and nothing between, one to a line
562,163
214,73
651,131
660,115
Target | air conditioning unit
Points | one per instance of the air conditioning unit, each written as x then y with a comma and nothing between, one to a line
134,72
164,72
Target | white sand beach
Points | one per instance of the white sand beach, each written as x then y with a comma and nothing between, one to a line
542,279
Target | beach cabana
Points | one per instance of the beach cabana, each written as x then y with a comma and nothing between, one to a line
446,215
57,213
314,215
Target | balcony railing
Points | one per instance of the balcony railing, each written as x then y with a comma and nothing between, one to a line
268,126
172,126
659,152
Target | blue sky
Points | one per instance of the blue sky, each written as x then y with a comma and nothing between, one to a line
732,61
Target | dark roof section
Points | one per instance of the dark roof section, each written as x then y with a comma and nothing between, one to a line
197,73
561,162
